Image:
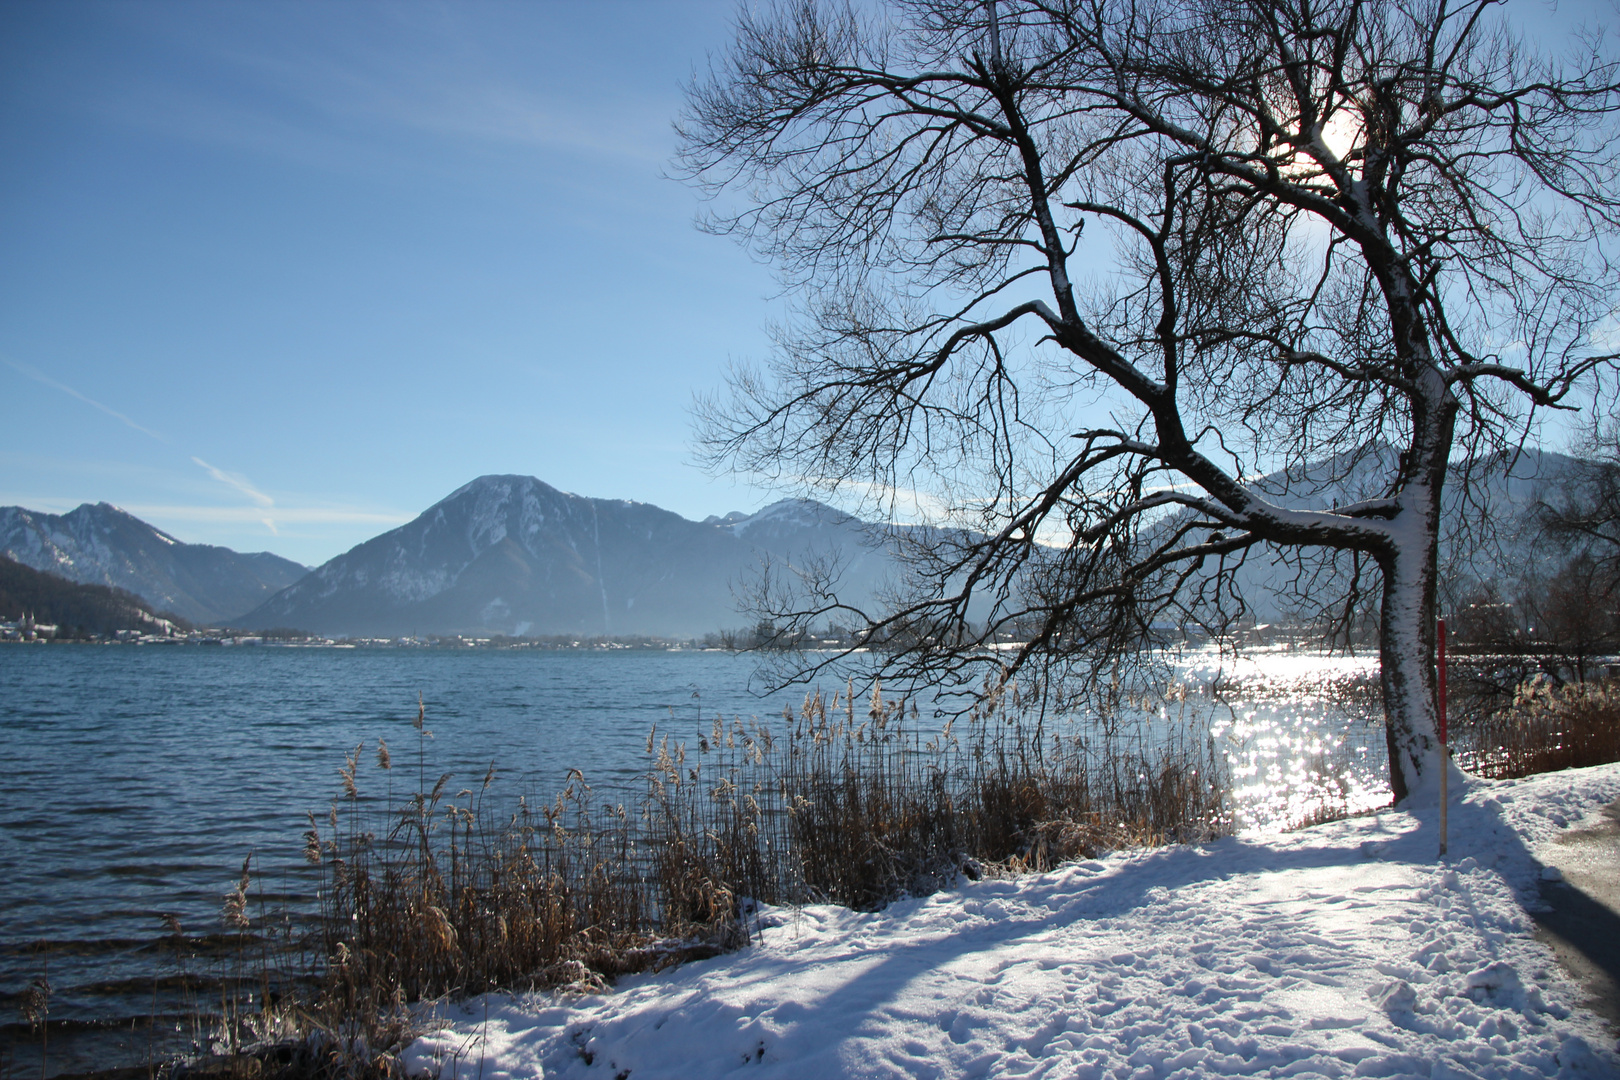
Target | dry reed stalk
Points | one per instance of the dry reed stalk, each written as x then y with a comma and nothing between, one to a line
1544,728
850,801
36,1012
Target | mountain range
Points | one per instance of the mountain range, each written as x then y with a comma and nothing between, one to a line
514,555
102,545
1488,530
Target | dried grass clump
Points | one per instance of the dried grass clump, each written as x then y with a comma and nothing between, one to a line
852,804
1546,727
438,899
431,895
857,805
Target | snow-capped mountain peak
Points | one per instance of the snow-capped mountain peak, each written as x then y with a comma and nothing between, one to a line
787,514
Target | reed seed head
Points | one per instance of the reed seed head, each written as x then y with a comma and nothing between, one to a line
235,908
36,1003
438,927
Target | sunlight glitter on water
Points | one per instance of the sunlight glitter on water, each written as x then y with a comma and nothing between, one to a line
1302,732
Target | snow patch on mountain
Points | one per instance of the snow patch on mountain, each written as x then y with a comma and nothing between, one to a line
787,514
102,544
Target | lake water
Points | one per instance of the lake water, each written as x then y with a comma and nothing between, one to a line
139,779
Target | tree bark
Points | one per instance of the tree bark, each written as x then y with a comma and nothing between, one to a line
1406,646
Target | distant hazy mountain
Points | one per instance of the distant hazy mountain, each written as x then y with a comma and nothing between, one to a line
103,545
73,608
1488,532
513,555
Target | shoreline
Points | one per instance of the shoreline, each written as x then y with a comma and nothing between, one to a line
1342,948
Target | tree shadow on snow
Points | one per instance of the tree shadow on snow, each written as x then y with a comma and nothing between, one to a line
1029,909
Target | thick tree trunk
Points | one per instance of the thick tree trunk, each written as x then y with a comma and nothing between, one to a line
1406,649
1410,565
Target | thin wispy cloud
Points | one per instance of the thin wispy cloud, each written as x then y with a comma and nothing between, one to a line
363,104
237,481
262,503
285,515
508,114
245,486
439,76
45,380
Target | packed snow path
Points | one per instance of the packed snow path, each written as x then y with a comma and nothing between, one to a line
1581,920
1341,950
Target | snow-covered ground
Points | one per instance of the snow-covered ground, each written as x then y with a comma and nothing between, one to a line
1346,949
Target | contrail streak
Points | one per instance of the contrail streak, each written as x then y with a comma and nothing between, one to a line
40,377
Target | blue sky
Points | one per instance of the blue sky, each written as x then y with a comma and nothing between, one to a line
281,275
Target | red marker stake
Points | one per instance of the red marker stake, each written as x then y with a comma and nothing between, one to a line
1445,752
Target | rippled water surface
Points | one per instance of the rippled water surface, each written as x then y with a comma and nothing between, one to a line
141,778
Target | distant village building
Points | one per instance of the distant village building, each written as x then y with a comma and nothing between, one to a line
27,629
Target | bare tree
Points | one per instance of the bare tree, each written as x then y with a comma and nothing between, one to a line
1581,514
1574,607
1075,272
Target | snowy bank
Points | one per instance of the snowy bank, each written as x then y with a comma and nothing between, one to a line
1341,950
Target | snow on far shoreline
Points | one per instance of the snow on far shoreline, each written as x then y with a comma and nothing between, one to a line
1342,950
